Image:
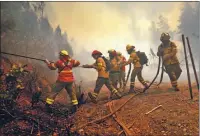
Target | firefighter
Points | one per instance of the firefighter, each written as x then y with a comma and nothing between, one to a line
103,76
65,79
122,59
137,71
168,50
115,68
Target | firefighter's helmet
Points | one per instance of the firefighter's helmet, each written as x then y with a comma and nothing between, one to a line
164,36
64,53
128,47
112,52
96,52
119,53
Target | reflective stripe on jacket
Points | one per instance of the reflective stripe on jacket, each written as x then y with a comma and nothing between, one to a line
168,53
65,73
135,60
101,68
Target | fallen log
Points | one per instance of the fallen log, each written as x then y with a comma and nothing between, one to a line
153,109
126,130
97,120
120,132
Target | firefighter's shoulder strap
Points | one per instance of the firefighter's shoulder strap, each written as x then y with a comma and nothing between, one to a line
66,64
107,62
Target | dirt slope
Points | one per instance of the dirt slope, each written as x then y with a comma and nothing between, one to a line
178,115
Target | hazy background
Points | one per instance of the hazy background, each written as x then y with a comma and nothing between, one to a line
107,25
82,27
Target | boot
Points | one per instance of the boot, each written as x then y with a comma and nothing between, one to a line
74,109
131,90
145,87
111,95
48,108
176,89
118,95
93,99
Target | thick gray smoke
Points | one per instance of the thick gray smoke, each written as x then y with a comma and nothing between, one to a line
43,29
32,35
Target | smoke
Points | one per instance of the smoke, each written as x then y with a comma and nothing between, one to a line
28,33
111,25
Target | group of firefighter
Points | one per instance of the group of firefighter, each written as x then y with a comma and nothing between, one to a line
111,75
167,50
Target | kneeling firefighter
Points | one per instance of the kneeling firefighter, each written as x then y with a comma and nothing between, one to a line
103,76
65,79
137,71
168,50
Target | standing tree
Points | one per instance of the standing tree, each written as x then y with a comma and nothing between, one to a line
163,24
155,34
189,25
39,8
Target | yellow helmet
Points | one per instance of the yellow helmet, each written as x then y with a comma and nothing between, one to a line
164,36
119,53
128,47
64,53
111,50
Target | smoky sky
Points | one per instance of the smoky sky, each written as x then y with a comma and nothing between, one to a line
111,25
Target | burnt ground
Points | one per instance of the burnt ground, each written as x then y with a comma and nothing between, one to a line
178,115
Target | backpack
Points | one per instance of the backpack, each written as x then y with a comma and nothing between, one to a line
143,58
108,65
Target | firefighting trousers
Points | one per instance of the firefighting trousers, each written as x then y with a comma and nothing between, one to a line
122,78
57,87
114,78
99,84
137,72
174,71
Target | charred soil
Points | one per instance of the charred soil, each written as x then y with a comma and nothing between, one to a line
177,116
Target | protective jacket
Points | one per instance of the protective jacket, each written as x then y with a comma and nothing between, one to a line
64,67
114,65
101,68
168,53
123,68
135,60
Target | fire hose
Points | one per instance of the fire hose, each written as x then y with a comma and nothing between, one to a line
161,77
25,57
162,73
139,93
158,70
22,56
129,71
